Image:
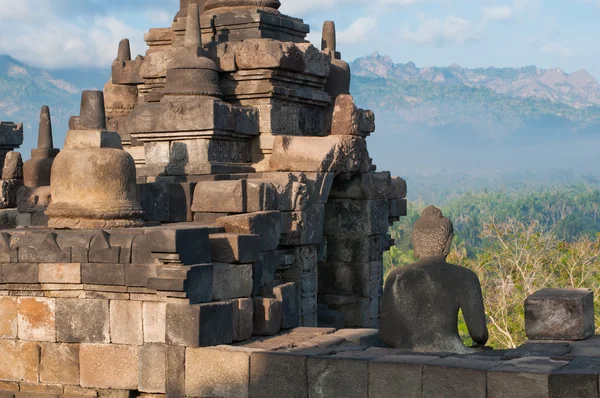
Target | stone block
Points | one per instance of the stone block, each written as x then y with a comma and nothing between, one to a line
59,363
167,202
560,314
341,154
278,375
522,378
268,316
198,284
358,311
60,273
154,321
577,379
8,317
103,274
289,296
445,378
20,361
153,368
35,390
37,319
263,271
41,247
126,325
138,275
349,217
24,219
351,279
400,189
191,243
109,366
20,273
297,191
217,372
243,318
175,375
231,281
234,196
397,376
398,207
367,186
82,321
267,225
303,227
234,248
199,325
352,249
337,377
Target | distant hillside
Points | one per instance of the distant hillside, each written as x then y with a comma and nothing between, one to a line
24,89
578,89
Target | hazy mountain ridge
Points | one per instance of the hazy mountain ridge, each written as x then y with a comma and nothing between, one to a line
578,89
24,89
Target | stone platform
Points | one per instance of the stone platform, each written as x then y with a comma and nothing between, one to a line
302,362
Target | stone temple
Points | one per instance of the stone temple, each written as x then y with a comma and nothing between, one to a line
214,227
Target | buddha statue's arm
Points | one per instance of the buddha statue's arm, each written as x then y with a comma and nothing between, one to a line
473,310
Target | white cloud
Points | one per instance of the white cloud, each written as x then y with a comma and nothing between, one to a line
439,31
359,31
46,39
497,13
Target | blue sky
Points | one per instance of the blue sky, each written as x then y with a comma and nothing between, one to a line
471,33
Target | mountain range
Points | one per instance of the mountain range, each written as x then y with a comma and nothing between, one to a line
428,119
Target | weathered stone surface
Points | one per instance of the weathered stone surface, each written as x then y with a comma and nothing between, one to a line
446,377
103,274
217,372
522,378
266,224
60,273
8,317
268,316
346,116
154,318
234,248
297,191
13,166
189,241
153,368
20,273
337,377
199,325
390,376
278,375
360,279
398,208
126,322
59,363
349,217
352,249
232,281
236,196
560,314
577,379
19,361
37,319
358,311
338,154
303,227
175,371
199,283
82,321
289,296
243,318
167,202
109,366
367,186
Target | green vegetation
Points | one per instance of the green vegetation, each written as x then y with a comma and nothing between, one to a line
517,241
